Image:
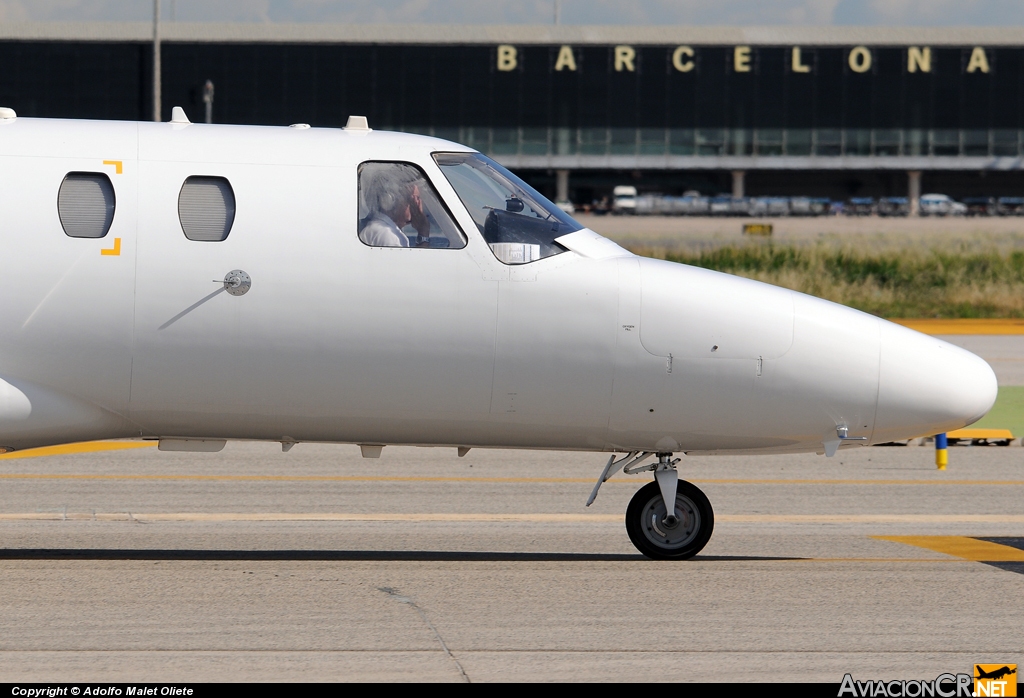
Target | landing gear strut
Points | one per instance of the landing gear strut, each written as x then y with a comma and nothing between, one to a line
664,532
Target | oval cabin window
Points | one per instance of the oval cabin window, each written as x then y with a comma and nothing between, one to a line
206,208
85,204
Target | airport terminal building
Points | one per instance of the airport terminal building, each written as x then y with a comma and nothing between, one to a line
833,112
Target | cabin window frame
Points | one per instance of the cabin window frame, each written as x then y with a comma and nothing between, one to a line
65,219
231,213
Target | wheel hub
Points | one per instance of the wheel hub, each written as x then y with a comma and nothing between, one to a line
671,531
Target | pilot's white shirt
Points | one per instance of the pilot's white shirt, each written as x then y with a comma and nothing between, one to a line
381,231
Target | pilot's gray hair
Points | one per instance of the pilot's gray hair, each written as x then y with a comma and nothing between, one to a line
383,186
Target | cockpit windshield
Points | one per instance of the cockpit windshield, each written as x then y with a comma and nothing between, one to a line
518,223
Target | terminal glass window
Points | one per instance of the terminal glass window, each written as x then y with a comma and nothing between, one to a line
517,222
398,207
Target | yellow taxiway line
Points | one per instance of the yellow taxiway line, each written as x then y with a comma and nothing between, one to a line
299,517
963,326
448,517
520,480
961,546
99,446
958,548
871,518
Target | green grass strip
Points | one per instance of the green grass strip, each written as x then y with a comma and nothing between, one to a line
905,283
1007,413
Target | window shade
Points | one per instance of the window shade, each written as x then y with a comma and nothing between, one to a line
85,204
206,208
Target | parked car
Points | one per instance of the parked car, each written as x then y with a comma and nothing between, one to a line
801,206
624,200
777,206
893,206
647,205
860,206
757,206
941,205
1010,206
719,205
821,207
674,206
981,206
739,206
767,206
693,204
566,206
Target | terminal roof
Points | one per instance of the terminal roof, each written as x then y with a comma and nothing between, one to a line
521,34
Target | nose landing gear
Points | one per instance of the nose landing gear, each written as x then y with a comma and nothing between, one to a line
663,536
668,519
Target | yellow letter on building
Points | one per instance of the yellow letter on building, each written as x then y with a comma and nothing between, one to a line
677,59
507,58
565,59
919,58
741,59
624,56
860,59
979,61
798,66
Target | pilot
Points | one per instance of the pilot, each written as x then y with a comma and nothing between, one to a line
392,195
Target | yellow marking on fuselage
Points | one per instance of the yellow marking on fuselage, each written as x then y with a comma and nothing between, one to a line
963,325
118,165
80,447
962,547
114,251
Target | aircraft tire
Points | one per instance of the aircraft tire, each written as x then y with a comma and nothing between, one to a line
645,522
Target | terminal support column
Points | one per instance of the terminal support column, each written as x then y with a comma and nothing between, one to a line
914,191
737,183
157,112
561,185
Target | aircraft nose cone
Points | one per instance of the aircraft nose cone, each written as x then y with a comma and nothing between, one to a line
927,386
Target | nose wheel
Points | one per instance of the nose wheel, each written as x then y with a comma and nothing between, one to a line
663,535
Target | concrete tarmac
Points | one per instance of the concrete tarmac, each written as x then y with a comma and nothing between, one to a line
318,565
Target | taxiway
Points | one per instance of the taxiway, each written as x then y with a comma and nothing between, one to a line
318,565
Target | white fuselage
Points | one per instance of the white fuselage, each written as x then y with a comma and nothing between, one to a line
593,348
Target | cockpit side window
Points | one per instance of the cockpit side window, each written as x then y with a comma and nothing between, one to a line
398,207
517,222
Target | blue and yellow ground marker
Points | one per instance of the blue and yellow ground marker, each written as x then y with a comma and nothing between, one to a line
941,451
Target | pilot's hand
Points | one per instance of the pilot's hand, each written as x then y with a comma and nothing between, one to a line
418,219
